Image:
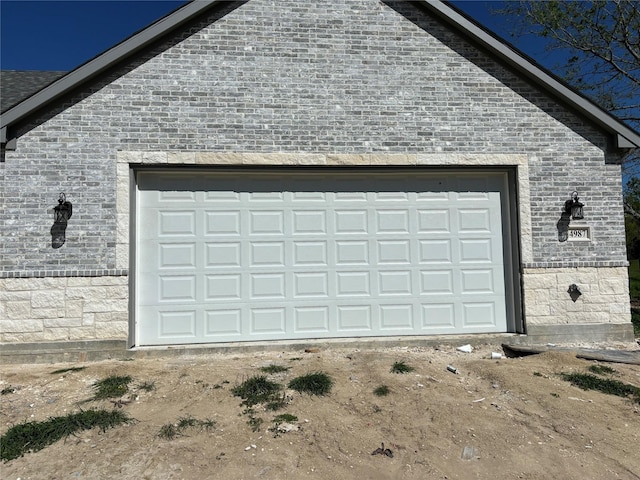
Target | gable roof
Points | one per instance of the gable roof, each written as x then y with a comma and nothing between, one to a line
16,85
622,135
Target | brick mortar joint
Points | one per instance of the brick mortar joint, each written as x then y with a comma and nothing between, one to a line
66,273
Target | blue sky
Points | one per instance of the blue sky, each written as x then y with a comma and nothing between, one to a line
61,35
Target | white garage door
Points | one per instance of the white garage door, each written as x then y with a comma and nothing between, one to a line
235,257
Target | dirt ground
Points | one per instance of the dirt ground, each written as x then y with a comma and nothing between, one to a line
508,418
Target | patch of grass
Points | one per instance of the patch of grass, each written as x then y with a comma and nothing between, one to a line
318,383
147,386
173,430
34,436
295,359
586,381
382,391
277,403
256,390
208,424
168,431
537,374
186,422
555,395
285,417
602,370
274,369
254,422
401,367
112,387
68,370
8,390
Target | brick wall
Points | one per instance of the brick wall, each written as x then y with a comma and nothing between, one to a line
330,76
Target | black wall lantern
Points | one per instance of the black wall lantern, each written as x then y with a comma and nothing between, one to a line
61,215
573,206
574,292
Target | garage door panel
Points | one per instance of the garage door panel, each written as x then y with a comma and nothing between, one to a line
394,252
311,284
392,221
183,197
257,258
162,289
309,253
396,317
226,197
349,196
311,319
318,197
435,251
176,223
267,254
309,222
267,286
222,255
478,314
169,326
432,191
265,197
224,323
477,250
177,288
168,256
436,282
223,287
384,197
266,222
180,324
349,222
474,220
352,252
268,321
177,255
437,316
477,281
436,220
223,223
395,283
354,318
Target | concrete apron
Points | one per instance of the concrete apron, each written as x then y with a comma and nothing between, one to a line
95,350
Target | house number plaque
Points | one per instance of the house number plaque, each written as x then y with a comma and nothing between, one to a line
579,233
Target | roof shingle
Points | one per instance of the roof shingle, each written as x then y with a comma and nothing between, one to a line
17,85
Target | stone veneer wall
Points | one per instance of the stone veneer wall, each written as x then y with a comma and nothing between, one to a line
604,298
63,308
